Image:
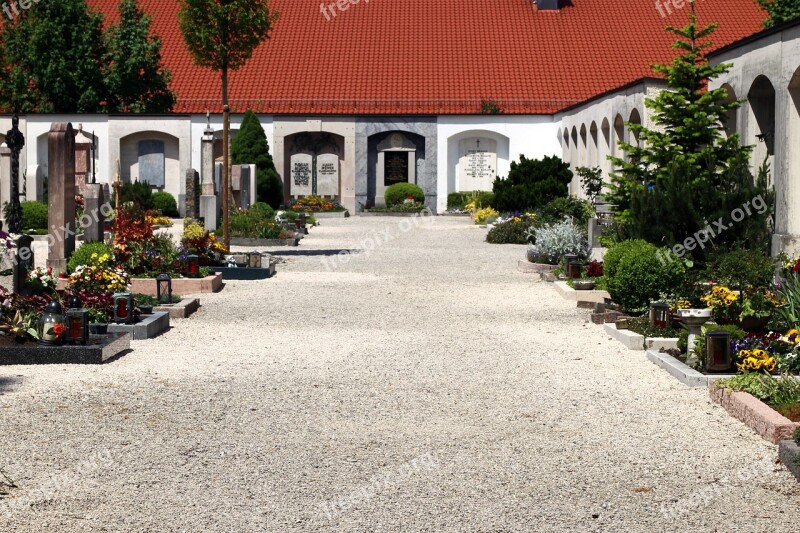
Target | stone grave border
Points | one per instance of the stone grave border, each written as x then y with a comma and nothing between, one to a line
755,414
148,327
789,454
264,242
208,284
183,309
33,354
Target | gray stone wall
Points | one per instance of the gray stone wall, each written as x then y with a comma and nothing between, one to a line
366,157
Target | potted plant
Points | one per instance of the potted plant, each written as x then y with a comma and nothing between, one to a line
21,327
98,322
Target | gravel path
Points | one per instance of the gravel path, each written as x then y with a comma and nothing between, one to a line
423,386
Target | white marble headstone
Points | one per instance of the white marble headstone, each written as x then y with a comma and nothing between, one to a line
328,175
300,167
477,164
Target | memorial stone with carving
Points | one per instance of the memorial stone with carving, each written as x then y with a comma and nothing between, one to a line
328,175
301,165
477,164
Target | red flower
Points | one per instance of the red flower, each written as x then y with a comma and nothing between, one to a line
59,329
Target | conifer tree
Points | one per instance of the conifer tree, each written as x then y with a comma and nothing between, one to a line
251,147
780,11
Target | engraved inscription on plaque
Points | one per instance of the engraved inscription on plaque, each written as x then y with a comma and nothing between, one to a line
151,162
395,168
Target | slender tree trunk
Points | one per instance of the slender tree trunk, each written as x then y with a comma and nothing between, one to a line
226,230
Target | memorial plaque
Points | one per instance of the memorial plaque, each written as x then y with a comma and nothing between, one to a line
395,168
301,165
328,175
477,165
151,162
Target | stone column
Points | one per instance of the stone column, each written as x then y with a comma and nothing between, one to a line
61,195
93,212
209,203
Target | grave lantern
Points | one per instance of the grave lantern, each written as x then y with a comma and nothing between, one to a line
254,260
572,267
659,315
123,308
51,326
193,266
164,289
77,326
718,351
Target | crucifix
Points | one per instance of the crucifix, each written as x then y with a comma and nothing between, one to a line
15,140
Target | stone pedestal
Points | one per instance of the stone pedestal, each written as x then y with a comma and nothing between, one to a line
207,163
209,211
94,197
61,195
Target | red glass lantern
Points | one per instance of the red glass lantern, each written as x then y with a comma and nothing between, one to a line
123,308
77,326
718,351
193,266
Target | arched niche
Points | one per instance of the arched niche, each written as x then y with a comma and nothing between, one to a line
150,156
312,162
761,121
731,118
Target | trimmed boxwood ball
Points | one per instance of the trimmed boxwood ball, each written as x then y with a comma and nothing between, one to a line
398,192
636,275
165,202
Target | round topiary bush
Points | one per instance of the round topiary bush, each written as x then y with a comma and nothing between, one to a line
92,254
165,202
637,274
34,215
398,192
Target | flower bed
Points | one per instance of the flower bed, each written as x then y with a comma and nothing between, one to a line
208,284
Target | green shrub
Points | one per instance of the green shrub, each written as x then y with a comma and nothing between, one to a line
83,255
553,241
483,199
258,222
555,211
509,233
165,202
636,276
138,192
742,269
263,210
797,436
398,192
531,184
34,215
457,200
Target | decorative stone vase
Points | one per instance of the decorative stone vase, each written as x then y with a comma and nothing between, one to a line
584,284
694,320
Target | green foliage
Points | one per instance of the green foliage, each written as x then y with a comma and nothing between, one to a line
553,241
136,79
686,171
641,325
223,35
779,11
789,313
90,254
52,59
635,275
250,147
258,222
591,181
490,107
736,333
139,193
742,269
34,215
397,193
797,436
555,211
511,232
531,183
457,200
782,393
58,60
165,202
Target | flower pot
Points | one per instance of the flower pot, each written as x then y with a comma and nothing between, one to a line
98,329
146,309
754,323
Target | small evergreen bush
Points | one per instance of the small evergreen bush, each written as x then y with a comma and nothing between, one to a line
457,200
579,210
165,202
531,184
553,241
138,192
397,193
34,215
636,276
509,233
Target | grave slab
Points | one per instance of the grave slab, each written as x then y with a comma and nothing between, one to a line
150,326
100,348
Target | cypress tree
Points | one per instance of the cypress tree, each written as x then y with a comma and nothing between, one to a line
250,147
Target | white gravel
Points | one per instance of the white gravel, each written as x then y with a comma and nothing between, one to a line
424,386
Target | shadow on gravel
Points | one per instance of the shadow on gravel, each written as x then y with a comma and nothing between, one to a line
316,253
8,383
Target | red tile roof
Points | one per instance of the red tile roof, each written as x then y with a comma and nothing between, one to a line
439,56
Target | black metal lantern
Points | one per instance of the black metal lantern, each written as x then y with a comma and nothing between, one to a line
164,289
77,326
718,351
659,315
572,267
74,302
193,266
254,260
123,308
51,326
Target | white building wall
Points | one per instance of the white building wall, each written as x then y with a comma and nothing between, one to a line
534,136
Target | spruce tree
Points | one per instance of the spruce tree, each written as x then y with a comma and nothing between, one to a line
780,11
251,147
136,79
51,60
